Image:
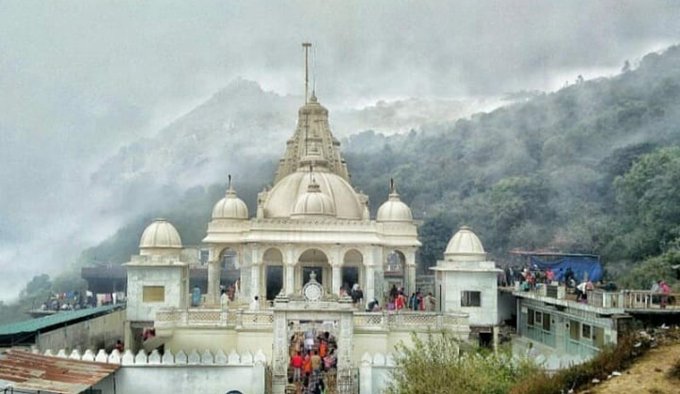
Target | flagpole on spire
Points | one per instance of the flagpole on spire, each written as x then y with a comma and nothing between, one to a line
306,46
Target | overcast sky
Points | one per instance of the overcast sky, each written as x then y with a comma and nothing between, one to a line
80,79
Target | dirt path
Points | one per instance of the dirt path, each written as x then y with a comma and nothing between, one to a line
647,375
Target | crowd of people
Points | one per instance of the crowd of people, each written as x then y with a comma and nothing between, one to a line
530,278
396,300
416,301
313,362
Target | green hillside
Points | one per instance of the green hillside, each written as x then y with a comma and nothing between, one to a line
593,167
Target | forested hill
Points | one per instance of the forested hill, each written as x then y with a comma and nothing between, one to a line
556,171
590,168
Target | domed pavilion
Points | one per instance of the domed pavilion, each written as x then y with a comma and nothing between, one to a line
311,220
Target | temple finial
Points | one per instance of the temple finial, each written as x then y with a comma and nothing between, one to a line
393,189
306,46
229,182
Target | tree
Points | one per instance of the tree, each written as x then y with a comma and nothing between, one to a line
38,286
434,234
648,196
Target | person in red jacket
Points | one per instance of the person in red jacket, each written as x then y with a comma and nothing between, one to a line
296,362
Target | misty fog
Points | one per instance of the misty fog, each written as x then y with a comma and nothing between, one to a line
91,92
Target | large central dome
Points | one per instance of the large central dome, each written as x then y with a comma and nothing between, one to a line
285,194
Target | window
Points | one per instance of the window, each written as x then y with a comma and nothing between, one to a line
153,294
546,322
586,331
530,317
471,298
539,318
574,330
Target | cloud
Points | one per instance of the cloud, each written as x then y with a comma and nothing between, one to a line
80,80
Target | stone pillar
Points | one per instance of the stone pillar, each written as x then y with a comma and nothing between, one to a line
289,278
280,354
213,283
411,278
369,291
254,280
337,279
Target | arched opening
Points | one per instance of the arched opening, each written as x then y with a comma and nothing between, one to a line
230,272
313,260
394,271
352,269
273,274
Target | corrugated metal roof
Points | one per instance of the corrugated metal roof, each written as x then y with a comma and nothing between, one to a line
28,371
58,318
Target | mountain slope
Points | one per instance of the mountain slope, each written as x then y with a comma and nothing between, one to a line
538,174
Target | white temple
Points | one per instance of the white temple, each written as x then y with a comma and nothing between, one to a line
311,237
312,219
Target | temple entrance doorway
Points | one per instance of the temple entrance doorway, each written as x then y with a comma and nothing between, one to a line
315,343
296,320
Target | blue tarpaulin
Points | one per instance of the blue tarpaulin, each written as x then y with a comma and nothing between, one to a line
578,264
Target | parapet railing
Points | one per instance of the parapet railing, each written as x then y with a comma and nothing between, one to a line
263,319
625,299
237,318
410,321
646,299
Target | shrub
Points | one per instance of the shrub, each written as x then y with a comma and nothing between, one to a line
437,365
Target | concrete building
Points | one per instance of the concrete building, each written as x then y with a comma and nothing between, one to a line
465,281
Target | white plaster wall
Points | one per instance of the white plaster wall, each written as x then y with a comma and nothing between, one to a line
100,332
185,379
380,342
225,339
169,277
456,282
507,305
380,378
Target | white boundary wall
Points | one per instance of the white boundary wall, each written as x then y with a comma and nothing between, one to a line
374,373
195,372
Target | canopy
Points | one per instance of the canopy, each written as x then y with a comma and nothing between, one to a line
580,265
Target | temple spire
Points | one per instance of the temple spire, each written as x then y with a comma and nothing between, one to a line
313,139
306,46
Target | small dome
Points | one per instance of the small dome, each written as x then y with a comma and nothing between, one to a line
394,210
230,207
313,203
465,246
160,235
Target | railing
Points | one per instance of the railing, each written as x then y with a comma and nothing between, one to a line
605,299
645,299
263,319
625,299
172,318
408,321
